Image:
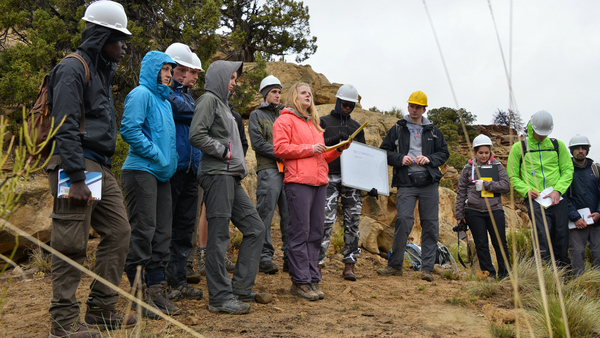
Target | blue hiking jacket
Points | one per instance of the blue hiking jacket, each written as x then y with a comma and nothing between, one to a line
584,190
183,111
147,124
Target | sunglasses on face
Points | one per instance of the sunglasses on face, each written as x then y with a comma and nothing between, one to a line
346,104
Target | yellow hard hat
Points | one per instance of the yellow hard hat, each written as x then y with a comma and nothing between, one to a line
419,98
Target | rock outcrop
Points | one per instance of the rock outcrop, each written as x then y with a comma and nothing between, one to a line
379,215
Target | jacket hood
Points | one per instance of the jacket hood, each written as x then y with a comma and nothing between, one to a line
292,111
151,65
218,75
337,111
588,163
270,106
424,120
490,161
94,37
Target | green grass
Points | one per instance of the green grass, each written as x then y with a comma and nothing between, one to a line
501,330
337,239
483,289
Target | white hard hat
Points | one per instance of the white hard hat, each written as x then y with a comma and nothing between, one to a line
542,123
347,92
579,140
269,81
482,140
182,54
197,62
108,14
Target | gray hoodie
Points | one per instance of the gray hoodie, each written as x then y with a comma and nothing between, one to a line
415,148
213,127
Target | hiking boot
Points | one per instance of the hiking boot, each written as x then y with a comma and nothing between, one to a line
146,299
106,319
158,294
232,307
304,291
348,273
286,266
173,294
426,275
229,265
389,271
74,330
201,266
315,287
268,267
254,296
190,276
189,292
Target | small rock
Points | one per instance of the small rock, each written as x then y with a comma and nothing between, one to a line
369,314
386,321
264,298
278,308
347,291
191,321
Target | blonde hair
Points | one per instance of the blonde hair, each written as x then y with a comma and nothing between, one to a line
292,102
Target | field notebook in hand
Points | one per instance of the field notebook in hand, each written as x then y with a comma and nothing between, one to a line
488,173
93,180
543,201
343,143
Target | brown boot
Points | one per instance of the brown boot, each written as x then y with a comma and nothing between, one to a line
348,273
74,330
106,319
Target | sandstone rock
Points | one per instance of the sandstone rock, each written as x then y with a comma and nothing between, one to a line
31,216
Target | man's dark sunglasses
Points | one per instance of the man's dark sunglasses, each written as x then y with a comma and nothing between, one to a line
347,104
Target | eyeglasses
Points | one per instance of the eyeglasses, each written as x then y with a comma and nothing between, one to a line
347,104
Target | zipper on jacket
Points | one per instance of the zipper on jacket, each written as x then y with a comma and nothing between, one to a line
542,167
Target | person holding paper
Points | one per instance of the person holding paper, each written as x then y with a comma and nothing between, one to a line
148,127
583,197
103,46
415,148
270,192
222,167
298,140
538,163
472,208
338,125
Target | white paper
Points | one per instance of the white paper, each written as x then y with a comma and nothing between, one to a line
364,167
584,213
546,202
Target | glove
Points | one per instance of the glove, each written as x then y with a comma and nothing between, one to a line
336,139
479,185
373,193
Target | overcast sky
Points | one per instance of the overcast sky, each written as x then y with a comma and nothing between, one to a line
387,50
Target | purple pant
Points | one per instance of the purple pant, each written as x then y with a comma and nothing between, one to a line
306,204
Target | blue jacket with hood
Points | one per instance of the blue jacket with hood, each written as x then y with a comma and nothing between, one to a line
147,124
183,111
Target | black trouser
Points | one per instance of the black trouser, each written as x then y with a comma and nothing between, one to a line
480,224
149,211
184,192
557,218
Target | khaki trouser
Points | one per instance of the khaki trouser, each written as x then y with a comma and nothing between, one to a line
70,232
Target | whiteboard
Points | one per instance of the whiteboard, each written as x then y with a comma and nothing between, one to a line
364,167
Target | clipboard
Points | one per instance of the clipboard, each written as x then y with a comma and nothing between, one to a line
489,173
93,180
343,143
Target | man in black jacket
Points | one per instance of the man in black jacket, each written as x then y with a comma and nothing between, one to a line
102,48
584,192
415,148
338,125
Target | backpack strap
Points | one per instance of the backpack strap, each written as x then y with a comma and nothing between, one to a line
524,150
87,80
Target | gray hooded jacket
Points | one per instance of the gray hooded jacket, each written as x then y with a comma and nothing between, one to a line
213,127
